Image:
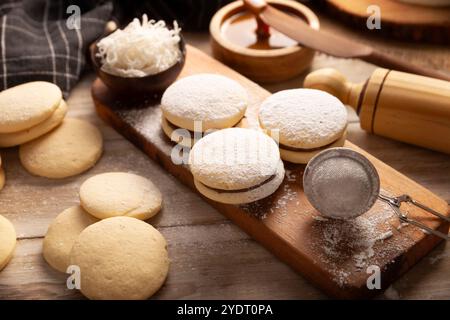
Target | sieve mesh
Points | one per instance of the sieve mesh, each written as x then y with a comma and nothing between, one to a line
341,183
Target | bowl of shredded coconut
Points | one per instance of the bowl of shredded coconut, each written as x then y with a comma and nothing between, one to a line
144,57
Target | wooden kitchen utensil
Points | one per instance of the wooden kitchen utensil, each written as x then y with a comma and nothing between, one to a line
398,20
332,44
393,104
333,255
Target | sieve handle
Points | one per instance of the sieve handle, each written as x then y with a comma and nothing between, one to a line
395,203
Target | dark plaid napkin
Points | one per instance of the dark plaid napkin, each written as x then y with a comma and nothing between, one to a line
38,42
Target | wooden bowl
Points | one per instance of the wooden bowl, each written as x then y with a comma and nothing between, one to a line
151,84
265,66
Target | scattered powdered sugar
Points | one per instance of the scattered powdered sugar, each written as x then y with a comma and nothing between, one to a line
386,235
288,195
320,218
402,225
285,201
350,246
276,203
391,294
290,175
439,257
256,209
341,276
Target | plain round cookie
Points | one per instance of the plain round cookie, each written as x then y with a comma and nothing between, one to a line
2,178
217,101
70,149
61,236
20,137
305,118
120,194
7,241
28,104
120,258
234,159
247,196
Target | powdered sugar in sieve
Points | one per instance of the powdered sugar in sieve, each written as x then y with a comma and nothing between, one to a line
341,183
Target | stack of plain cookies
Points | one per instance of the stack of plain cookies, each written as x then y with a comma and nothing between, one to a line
28,111
119,256
32,115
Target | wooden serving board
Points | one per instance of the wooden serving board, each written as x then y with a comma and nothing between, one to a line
334,255
399,20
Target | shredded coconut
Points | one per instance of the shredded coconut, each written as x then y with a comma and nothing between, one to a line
140,49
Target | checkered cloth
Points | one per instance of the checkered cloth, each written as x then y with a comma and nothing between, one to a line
38,43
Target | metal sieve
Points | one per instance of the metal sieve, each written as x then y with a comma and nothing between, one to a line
341,183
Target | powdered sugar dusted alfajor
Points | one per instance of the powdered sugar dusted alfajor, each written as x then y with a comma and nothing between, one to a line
305,119
217,101
236,165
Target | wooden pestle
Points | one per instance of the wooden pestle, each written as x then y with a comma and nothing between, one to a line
398,105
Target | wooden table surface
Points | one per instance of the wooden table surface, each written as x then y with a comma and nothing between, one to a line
212,258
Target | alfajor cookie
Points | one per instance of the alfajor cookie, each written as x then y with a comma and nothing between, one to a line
236,166
120,194
199,103
7,241
120,258
61,236
305,121
20,137
28,104
70,149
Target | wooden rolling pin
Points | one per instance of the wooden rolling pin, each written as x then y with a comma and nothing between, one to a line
398,105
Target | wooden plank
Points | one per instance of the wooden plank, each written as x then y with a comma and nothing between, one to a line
289,229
